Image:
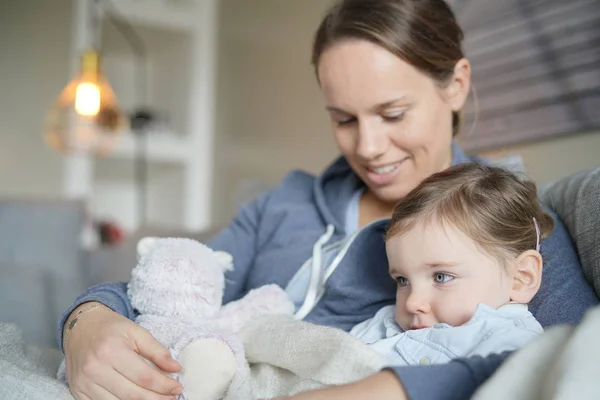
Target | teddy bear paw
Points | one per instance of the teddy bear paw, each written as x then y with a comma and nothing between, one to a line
271,299
208,366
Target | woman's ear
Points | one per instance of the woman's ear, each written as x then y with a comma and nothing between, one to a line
527,276
457,90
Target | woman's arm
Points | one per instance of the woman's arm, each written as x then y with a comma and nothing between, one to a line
457,380
112,295
382,386
240,239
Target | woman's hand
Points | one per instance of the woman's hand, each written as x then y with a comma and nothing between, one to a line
381,386
105,360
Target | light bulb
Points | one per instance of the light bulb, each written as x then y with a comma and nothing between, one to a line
87,99
86,117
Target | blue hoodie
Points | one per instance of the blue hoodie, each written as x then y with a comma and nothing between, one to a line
301,223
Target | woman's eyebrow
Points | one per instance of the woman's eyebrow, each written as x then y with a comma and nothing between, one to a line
390,103
337,110
376,107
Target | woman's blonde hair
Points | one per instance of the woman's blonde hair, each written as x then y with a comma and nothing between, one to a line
490,205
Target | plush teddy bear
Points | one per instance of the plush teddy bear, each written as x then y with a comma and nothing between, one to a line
177,287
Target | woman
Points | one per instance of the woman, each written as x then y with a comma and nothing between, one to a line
394,79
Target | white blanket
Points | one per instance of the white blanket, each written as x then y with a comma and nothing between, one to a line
288,356
285,356
562,363
28,372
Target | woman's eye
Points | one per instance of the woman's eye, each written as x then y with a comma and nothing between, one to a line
393,117
402,281
345,121
442,278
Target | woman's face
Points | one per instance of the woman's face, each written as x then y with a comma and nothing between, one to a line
390,121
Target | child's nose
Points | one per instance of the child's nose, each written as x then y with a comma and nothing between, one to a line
417,302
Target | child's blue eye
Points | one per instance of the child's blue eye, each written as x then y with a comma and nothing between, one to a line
402,281
442,278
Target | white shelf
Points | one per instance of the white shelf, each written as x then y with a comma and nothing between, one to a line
180,38
168,14
169,149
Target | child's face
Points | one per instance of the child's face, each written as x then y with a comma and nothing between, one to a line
442,276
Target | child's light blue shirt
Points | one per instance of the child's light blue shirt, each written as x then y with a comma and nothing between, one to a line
489,331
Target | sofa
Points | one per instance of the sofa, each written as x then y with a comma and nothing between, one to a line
576,199
30,371
43,265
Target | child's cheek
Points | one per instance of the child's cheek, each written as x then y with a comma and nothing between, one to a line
458,309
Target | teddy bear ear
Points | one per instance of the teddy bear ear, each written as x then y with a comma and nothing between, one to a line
225,259
145,245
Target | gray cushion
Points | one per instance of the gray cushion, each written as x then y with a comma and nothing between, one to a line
577,200
41,237
26,296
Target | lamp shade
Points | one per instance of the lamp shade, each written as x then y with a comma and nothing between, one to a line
86,117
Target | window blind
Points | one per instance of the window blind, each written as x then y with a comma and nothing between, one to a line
535,69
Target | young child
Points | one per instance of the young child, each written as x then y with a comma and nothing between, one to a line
463,248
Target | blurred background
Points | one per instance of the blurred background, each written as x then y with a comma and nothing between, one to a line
230,105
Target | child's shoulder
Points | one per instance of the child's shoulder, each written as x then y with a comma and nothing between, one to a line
381,325
492,331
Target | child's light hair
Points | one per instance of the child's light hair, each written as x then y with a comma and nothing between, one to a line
490,205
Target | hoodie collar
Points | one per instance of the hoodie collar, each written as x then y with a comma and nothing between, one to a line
335,186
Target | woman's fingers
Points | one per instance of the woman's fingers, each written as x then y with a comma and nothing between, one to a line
128,390
80,396
94,392
99,393
151,349
136,370
102,352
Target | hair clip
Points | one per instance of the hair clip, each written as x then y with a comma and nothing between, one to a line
537,232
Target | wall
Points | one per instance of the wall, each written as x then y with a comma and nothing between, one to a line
555,158
33,70
270,116
270,113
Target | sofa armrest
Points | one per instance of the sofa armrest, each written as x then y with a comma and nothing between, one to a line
27,300
576,199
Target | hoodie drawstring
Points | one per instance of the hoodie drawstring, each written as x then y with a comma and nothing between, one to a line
315,278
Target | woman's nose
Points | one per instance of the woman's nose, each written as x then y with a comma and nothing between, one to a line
372,140
417,303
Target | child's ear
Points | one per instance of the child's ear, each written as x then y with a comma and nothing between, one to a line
527,276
